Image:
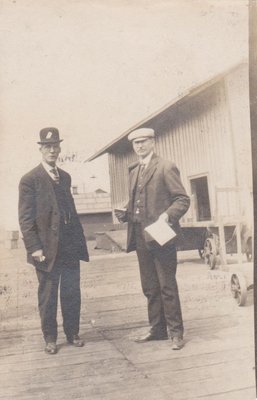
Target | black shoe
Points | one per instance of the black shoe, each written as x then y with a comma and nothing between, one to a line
75,341
51,348
177,343
151,336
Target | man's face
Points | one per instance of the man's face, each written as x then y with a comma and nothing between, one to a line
50,152
142,147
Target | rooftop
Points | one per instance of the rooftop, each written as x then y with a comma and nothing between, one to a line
148,121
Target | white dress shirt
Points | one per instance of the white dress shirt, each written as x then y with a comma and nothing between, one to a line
48,169
146,160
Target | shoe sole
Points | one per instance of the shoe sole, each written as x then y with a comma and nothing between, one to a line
177,348
76,344
149,340
51,352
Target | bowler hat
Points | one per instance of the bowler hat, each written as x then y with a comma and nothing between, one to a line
142,133
49,135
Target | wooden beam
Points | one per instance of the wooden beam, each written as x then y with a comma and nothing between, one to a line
253,119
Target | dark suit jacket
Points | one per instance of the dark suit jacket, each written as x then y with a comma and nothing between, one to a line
161,191
39,217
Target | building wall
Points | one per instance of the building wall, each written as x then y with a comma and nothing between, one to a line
95,212
201,136
118,169
237,89
197,136
93,223
89,203
237,85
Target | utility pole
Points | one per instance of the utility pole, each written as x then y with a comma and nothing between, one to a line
253,119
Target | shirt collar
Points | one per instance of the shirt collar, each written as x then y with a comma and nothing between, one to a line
48,167
147,159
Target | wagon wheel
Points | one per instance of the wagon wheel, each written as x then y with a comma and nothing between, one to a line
249,250
210,252
239,289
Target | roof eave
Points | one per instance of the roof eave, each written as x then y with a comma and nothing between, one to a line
187,93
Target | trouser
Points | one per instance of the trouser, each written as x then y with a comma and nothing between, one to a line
158,279
70,298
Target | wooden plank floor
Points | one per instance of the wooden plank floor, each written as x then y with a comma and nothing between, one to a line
216,363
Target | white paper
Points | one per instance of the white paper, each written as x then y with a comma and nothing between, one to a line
160,231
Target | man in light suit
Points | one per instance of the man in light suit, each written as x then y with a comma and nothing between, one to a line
54,240
155,192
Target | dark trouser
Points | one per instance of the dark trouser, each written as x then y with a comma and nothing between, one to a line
158,279
69,278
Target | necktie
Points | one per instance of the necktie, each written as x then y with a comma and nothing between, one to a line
142,170
55,175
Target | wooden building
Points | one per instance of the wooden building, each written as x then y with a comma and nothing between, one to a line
94,210
206,131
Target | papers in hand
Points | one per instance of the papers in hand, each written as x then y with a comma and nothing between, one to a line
160,231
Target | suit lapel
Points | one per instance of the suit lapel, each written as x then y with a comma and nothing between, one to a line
134,175
46,179
150,170
60,172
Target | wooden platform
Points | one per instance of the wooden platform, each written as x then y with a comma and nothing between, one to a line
216,363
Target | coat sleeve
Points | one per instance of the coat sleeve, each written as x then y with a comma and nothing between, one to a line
180,201
73,206
27,214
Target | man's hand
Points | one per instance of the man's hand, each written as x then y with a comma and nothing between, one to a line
38,255
120,213
164,217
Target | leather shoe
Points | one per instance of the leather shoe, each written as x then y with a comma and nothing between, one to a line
149,337
51,348
75,340
177,343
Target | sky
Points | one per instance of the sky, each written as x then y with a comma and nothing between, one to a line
94,68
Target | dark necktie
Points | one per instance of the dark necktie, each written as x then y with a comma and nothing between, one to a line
55,175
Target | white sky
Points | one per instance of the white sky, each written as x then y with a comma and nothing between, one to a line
93,68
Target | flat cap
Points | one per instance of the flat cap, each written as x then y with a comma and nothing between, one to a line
141,133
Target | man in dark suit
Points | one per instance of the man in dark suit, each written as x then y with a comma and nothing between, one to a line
155,192
54,240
